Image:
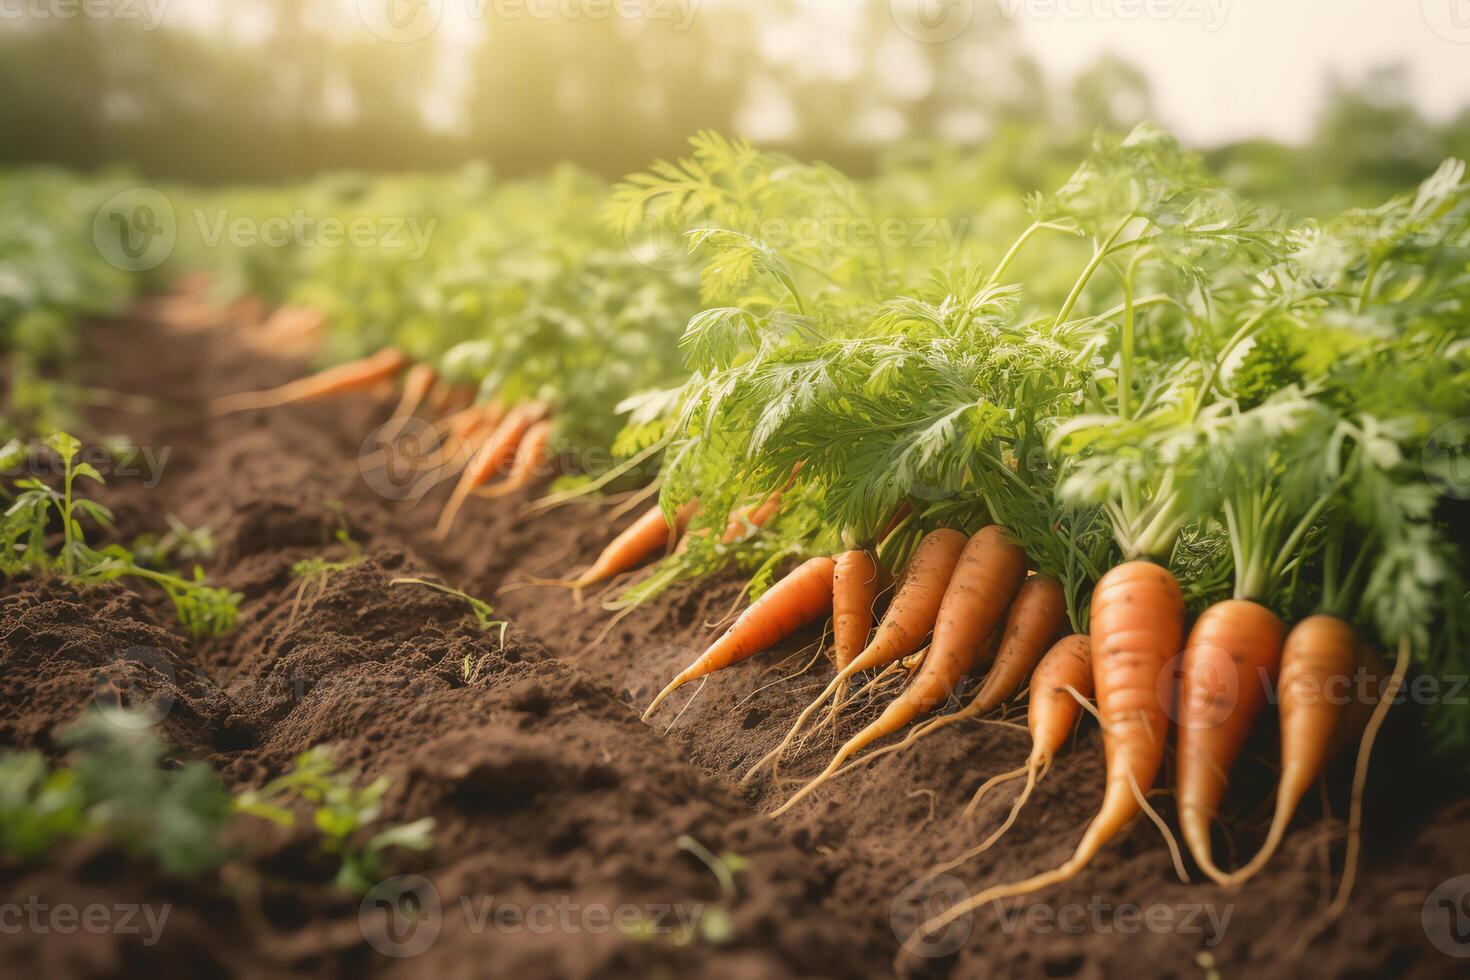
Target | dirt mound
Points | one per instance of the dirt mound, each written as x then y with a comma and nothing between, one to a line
567,831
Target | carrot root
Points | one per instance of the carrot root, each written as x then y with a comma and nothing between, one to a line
911,615
355,376
793,602
1137,626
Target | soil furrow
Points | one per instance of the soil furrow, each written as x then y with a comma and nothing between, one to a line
548,792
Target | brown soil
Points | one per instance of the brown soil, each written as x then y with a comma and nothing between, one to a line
546,788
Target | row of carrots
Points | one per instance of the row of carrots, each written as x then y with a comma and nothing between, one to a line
480,441
963,592
973,597
483,440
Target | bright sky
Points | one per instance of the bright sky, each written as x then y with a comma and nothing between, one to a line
1221,69
1229,68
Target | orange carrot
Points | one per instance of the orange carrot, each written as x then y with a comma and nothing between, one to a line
1226,671
1137,627
439,397
982,585
416,384
1320,713
489,460
909,619
354,376
460,435
916,605
1039,614
796,600
1036,617
1052,709
458,449
1050,718
467,430
290,327
751,519
747,521
854,590
530,456
445,398
461,422
646,536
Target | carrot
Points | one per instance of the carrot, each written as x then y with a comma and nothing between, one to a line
458,434
462,434
747,521
1384,697
854,590
467,430
1137,627
650,533
796,600
1137,623
1036,617
353,376
529,457
460,426
1053,709
440,397
416,384
1321,655
489,460
1227,668
915,607
291,326
446,397
984,581
1066,667
462,422
910,617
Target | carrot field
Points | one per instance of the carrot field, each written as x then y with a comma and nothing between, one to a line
1037,552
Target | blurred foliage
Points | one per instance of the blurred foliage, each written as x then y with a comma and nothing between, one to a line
271,89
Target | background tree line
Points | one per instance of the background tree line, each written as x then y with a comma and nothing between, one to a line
263,90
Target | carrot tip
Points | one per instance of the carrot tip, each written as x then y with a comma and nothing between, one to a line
673,686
